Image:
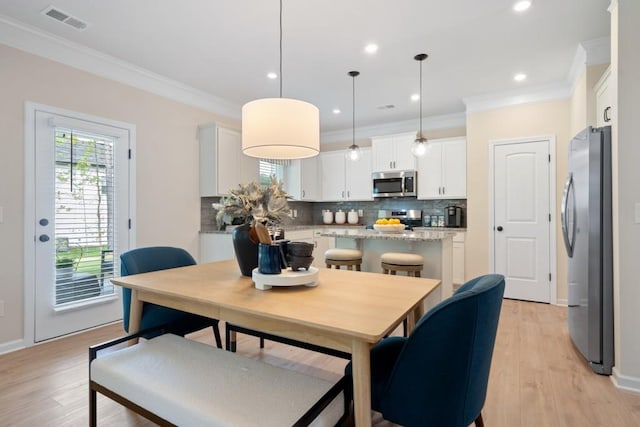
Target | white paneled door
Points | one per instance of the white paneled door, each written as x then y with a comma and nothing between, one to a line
522,219
81,221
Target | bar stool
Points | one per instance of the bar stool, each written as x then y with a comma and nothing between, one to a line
392,262
348,257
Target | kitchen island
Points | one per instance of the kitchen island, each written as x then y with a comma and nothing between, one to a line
435,246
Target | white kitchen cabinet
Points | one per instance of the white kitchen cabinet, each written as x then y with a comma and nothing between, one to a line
343,179
215,247
321,245
222,164
604,99
301,179
442,171
458,258
393,152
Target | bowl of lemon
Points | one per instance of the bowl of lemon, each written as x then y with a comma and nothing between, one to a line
391,225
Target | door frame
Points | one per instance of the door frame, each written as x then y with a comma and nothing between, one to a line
553,268
30,109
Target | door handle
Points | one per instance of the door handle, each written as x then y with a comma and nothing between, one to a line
302,193
43,238
606,114
499,228
564,219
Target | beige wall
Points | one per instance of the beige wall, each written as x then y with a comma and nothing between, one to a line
168,203
538,119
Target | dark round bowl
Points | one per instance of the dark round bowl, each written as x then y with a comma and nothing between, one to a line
298,262
299,248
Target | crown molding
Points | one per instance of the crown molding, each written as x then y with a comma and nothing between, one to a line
590,52
541,93
445,121
37,42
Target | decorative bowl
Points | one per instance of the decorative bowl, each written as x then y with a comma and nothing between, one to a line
300,249
389,228
298,262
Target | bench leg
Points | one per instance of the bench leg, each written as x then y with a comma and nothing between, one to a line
93,416
216,333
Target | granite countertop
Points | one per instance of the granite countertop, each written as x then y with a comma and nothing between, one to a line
350,228
410,236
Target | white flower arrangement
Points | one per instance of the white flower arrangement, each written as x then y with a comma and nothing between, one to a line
255,203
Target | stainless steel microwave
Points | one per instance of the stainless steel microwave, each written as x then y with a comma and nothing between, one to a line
395,184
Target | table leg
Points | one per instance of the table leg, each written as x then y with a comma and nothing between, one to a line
414,316
361,365
135,315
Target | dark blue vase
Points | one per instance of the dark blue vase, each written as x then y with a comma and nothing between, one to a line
246,250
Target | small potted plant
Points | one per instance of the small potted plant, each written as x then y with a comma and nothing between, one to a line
265,204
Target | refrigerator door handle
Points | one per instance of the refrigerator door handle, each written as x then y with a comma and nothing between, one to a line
568,241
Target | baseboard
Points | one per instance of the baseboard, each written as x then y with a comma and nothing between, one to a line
625,382
10,346
562,302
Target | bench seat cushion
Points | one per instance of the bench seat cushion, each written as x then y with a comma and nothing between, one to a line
193,384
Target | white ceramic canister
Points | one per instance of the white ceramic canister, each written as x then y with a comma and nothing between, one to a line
352,217
341,217
327,216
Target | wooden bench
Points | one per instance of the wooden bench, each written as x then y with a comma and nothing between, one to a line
171,381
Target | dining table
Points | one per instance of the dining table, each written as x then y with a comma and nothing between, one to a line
348,311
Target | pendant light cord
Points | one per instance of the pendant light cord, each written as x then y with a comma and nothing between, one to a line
420,100
353,140
280,48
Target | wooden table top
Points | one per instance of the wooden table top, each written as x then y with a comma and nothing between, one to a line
360,305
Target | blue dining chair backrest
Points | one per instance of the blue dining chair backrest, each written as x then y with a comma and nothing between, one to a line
439,374
154,258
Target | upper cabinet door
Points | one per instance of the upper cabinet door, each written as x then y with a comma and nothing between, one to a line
301,179
454,169
393,153
383,154
332,164
430,173
358,177
222,164
404,158
442,171
604,99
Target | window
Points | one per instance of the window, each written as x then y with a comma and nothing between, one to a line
271,167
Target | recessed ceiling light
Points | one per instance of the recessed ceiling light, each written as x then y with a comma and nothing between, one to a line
371,48
272,76
521,6
336,111
520,77
415,97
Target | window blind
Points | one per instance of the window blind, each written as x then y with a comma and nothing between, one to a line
84,215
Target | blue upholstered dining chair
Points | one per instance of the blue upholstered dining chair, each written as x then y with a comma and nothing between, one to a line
154,258
438,375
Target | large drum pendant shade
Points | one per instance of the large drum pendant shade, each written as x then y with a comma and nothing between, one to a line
280,128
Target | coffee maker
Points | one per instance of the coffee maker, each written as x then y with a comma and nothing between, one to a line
453,216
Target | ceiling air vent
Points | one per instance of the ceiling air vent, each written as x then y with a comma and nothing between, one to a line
65,18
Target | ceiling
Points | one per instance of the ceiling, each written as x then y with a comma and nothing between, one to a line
226,48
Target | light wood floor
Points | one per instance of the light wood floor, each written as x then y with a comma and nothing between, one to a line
537,378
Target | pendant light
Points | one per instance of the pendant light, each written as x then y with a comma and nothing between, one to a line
420,145
280,128
353,152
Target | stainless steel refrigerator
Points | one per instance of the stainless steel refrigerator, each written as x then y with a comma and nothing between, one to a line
586,228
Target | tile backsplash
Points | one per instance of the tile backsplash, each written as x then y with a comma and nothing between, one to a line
310,213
